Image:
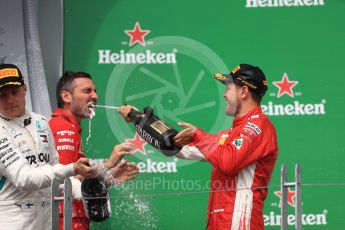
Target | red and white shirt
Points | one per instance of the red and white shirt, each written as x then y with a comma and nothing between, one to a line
67,135
243,160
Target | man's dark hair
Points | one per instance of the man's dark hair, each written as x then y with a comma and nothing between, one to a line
66,84
256,97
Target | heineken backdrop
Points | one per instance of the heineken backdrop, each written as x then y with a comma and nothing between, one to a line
163,53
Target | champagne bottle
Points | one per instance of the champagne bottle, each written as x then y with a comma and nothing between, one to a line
96,198
155,131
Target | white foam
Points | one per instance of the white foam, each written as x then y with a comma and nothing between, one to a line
92,114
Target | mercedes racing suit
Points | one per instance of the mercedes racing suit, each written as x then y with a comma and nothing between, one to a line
67,134
28,163
243,160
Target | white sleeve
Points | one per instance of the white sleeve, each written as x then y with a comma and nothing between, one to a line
76,188
14,167
191,153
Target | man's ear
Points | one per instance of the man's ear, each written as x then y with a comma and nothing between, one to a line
66,96
245,92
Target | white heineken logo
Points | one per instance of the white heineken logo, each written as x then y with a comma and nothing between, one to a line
137,36
283,3
294,109
150,166
147,57
274,219
286,88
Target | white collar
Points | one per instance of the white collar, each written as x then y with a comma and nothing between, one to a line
22,121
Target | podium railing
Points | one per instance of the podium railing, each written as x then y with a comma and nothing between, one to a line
284,185
67,200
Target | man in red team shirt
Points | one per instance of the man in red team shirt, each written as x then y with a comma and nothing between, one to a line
76,93
243,157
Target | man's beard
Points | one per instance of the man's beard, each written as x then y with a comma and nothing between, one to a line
231,107
84,111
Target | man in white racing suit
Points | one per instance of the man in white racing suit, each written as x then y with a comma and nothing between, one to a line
28,159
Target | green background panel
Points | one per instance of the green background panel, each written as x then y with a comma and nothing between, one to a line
306,43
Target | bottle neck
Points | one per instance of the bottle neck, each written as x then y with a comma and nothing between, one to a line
135,116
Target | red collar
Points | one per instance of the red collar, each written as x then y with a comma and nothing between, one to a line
244,118
68,117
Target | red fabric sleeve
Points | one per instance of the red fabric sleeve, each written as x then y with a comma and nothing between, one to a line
206,142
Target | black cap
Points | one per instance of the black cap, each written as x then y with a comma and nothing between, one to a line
245,74
10,75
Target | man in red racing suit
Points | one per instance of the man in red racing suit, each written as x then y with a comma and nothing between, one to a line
243,157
